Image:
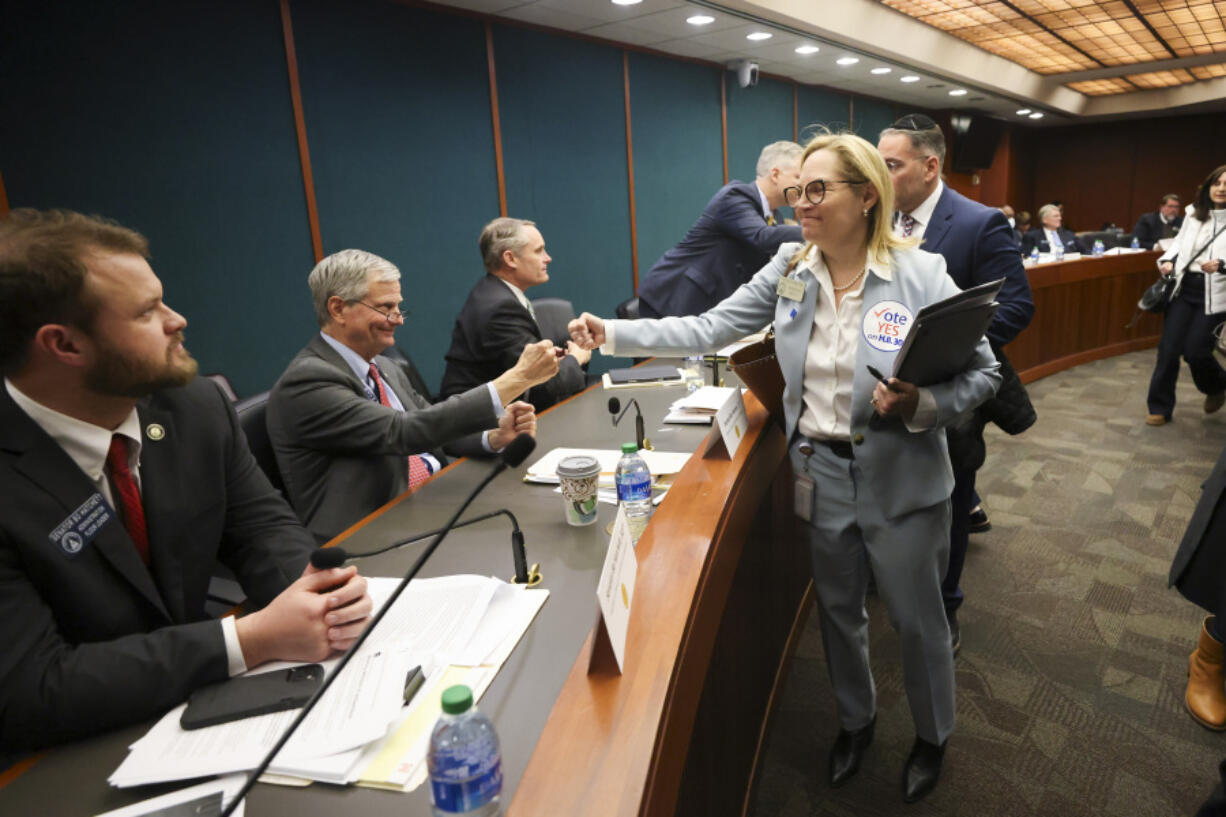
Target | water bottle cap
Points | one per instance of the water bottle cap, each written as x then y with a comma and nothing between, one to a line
630,448
457,699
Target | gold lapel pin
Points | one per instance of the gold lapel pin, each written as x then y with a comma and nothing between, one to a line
154,431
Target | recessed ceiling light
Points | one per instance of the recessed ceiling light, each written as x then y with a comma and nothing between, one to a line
881,70
807,49
759,35
700,19
1037,115
626,2
847,60
909,78
1023,112
958,92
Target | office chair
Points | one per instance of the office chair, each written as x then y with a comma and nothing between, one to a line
251,411
406,364
552,316
628,309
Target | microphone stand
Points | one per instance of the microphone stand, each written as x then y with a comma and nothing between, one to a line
352,651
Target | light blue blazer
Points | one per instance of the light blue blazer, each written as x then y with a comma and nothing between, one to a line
905,470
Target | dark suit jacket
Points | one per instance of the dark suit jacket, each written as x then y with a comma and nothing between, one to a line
1038,238
1200,561
1148,231
490,334
977,244
728,244
342,455
92,640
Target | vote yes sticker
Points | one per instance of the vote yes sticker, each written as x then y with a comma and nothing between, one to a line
886,325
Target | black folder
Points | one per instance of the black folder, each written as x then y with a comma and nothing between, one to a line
945,334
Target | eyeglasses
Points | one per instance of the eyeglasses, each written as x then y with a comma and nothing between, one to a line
814,192
391,316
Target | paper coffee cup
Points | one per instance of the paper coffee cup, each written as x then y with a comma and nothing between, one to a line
578,476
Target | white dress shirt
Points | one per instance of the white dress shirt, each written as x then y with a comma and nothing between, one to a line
922,215
87,445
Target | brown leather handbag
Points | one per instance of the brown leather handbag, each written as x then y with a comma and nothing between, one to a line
759,370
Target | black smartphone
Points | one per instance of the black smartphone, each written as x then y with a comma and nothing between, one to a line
251,695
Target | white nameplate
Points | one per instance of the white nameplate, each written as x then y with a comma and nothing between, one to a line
730,426
615,593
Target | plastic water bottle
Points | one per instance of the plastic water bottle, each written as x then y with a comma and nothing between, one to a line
464,759
1058,250
1034,255
1136,245
633,482
1098,248
693,373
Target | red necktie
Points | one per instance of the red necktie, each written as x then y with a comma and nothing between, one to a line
128,495
419,472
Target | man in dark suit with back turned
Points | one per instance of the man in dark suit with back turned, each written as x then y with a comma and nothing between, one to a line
1162,223
122,480
497,318
734,237
349,432
977,244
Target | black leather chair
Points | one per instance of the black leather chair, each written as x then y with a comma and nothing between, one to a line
1110,239
552,316
223,383
251,411
416,380
628,310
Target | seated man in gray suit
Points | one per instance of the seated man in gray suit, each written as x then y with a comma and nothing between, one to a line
349,431
123,479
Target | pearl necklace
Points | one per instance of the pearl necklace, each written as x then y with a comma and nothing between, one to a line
850,283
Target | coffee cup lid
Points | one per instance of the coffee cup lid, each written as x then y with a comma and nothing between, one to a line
578,467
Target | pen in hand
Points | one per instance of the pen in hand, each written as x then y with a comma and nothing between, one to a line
885,381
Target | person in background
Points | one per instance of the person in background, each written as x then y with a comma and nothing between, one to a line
497,319
873,477
1023,222
977,246
123,480
1198,302
1052,233
1009,215
1163,223
349,431
736,234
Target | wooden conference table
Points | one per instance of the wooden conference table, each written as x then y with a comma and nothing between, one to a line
720,589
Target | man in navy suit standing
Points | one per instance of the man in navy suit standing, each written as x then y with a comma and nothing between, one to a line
734,237
1162,223
978,247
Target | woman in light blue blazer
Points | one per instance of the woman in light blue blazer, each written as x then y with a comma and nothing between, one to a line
871,465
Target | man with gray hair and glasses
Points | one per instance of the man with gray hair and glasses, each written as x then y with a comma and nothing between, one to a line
497,319
735,236
349,431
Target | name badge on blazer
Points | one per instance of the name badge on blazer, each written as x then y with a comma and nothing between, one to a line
81,526
791,289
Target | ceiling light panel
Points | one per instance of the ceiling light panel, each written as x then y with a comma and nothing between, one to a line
1103,87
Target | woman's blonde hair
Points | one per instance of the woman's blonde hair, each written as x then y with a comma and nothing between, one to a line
860,162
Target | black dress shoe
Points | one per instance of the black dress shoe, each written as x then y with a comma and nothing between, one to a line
847,751
955,632
979,521
922,771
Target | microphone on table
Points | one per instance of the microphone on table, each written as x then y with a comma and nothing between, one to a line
512,456
615,406
329,557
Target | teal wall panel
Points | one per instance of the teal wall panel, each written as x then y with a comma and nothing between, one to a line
402,152
757,116
174,119
872,116
678,149
562,107
820,107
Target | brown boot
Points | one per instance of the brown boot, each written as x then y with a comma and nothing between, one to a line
1206,698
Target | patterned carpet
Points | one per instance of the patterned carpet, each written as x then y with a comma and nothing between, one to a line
1074,652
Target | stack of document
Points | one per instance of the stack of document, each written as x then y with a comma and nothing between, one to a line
699,407
443,625
660,463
